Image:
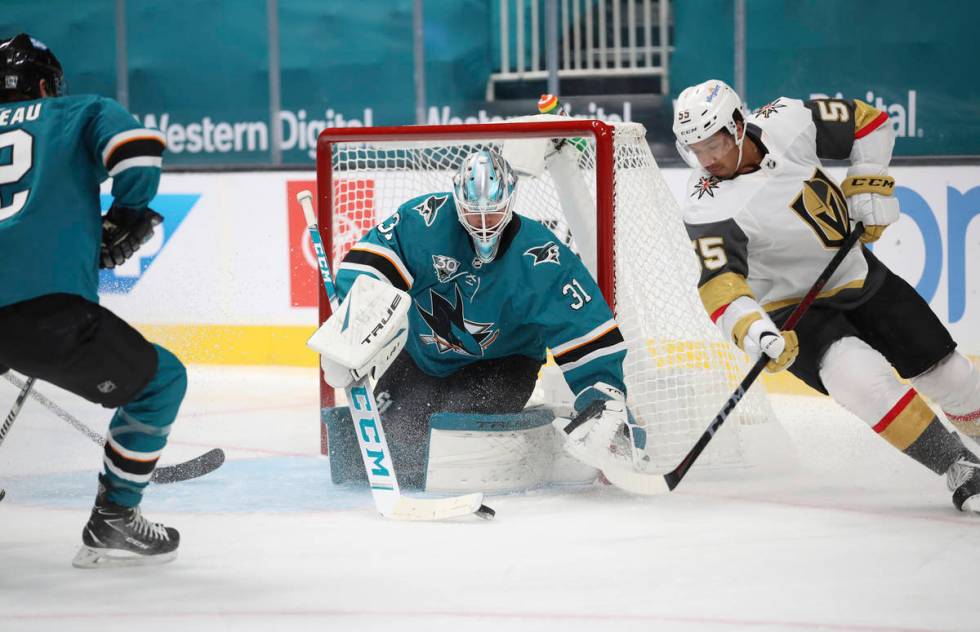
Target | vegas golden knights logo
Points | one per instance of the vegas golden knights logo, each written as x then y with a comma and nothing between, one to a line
821,204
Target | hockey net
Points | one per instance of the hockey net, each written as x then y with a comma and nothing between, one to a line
604,195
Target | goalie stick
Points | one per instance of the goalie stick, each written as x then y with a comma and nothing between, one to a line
370,434
649,484
198,466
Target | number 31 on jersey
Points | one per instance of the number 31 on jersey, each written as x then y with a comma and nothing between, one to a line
577,293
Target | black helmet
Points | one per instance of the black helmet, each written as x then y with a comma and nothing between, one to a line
24,61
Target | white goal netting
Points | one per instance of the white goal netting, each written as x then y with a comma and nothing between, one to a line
679,370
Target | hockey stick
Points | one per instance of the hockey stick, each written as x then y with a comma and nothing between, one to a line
12,415
15,409
198,466
370,433
655,484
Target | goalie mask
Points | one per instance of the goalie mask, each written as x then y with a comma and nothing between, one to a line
24,61
484,191
701,112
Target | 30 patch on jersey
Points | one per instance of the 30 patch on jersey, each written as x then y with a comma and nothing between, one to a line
446,267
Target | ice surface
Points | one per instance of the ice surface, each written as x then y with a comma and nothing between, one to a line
854,537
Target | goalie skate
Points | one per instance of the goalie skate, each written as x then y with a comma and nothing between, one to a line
120,536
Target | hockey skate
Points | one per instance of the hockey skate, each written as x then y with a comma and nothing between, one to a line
963,479
121,536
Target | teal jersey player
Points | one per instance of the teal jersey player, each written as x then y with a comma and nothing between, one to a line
534,295
491,292
58,150
55,151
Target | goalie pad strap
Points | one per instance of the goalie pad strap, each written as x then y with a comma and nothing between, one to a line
527,419
879,185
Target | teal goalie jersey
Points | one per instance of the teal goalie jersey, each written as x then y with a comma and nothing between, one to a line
534,296
54,153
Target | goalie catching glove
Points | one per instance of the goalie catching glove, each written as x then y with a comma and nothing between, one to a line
365,335
603,431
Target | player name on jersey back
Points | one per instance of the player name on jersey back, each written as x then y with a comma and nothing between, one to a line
15,116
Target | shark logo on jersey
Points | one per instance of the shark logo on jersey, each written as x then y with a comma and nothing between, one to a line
429,207
769,109
821,205
705,186
548,253
446,268
451,331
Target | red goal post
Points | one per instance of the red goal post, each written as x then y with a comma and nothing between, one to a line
572,128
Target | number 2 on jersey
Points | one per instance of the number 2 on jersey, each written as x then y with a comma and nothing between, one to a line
21,161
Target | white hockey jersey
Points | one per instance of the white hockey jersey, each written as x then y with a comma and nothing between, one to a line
768,234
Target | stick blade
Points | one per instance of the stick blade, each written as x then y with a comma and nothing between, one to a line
198,466
639,483
407,508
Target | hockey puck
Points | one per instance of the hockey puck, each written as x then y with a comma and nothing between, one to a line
485,512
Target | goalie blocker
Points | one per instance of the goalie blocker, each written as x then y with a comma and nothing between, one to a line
365,335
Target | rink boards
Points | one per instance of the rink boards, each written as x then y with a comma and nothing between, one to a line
231,280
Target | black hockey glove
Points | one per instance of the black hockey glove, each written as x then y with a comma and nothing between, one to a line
124,230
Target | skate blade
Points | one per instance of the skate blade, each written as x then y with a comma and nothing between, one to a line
87,557
972,504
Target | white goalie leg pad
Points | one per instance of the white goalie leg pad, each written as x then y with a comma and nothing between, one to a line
954,384
498,453
576,202
552,390
527,155
860,379
365,335
536,156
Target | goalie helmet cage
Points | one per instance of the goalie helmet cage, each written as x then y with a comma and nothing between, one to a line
604,195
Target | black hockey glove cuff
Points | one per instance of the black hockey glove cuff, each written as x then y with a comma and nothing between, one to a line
124,230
